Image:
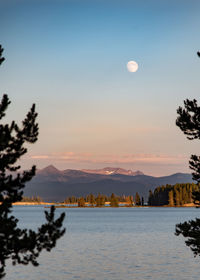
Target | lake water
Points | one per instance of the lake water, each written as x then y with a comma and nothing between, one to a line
112,244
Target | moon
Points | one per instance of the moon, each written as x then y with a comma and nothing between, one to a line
132,66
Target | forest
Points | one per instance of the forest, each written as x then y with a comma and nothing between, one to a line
101,199
173,195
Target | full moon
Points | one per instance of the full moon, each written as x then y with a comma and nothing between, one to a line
132,66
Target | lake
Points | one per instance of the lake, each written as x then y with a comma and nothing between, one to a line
112,244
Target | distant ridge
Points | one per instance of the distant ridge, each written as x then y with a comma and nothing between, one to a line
50,169
112,171
53,184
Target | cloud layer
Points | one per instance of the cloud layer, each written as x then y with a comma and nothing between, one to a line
112,158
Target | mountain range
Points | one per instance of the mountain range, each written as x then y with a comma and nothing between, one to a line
112,171
55,185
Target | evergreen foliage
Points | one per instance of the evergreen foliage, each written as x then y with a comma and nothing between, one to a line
100,200
81,202
150,199
191,231
188,121
114,201
21,246
172,195
91,199
36,199
129,200
171,198
137,199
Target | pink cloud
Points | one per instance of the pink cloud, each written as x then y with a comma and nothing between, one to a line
113,158
40,157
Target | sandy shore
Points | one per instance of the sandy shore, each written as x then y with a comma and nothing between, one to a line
33,203
86,204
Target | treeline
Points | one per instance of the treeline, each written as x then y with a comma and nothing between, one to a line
37,199
172,195
101,199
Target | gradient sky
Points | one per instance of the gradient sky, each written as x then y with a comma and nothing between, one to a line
69,57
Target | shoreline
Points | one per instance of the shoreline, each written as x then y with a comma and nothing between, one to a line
62,205
33,203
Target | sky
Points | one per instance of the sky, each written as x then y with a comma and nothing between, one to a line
70,57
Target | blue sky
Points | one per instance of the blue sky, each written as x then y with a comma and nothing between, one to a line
69,57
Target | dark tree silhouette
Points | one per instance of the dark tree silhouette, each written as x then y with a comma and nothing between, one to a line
137,199
189,122
22,246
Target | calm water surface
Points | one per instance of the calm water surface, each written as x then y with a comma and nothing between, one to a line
112,244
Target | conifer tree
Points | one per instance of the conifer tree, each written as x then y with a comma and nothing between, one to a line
73,199
100,200
92,199
22,246
171,198
81,202
150,199
67,200
177,197
114,201
196,197
188,121
137,199
129,200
